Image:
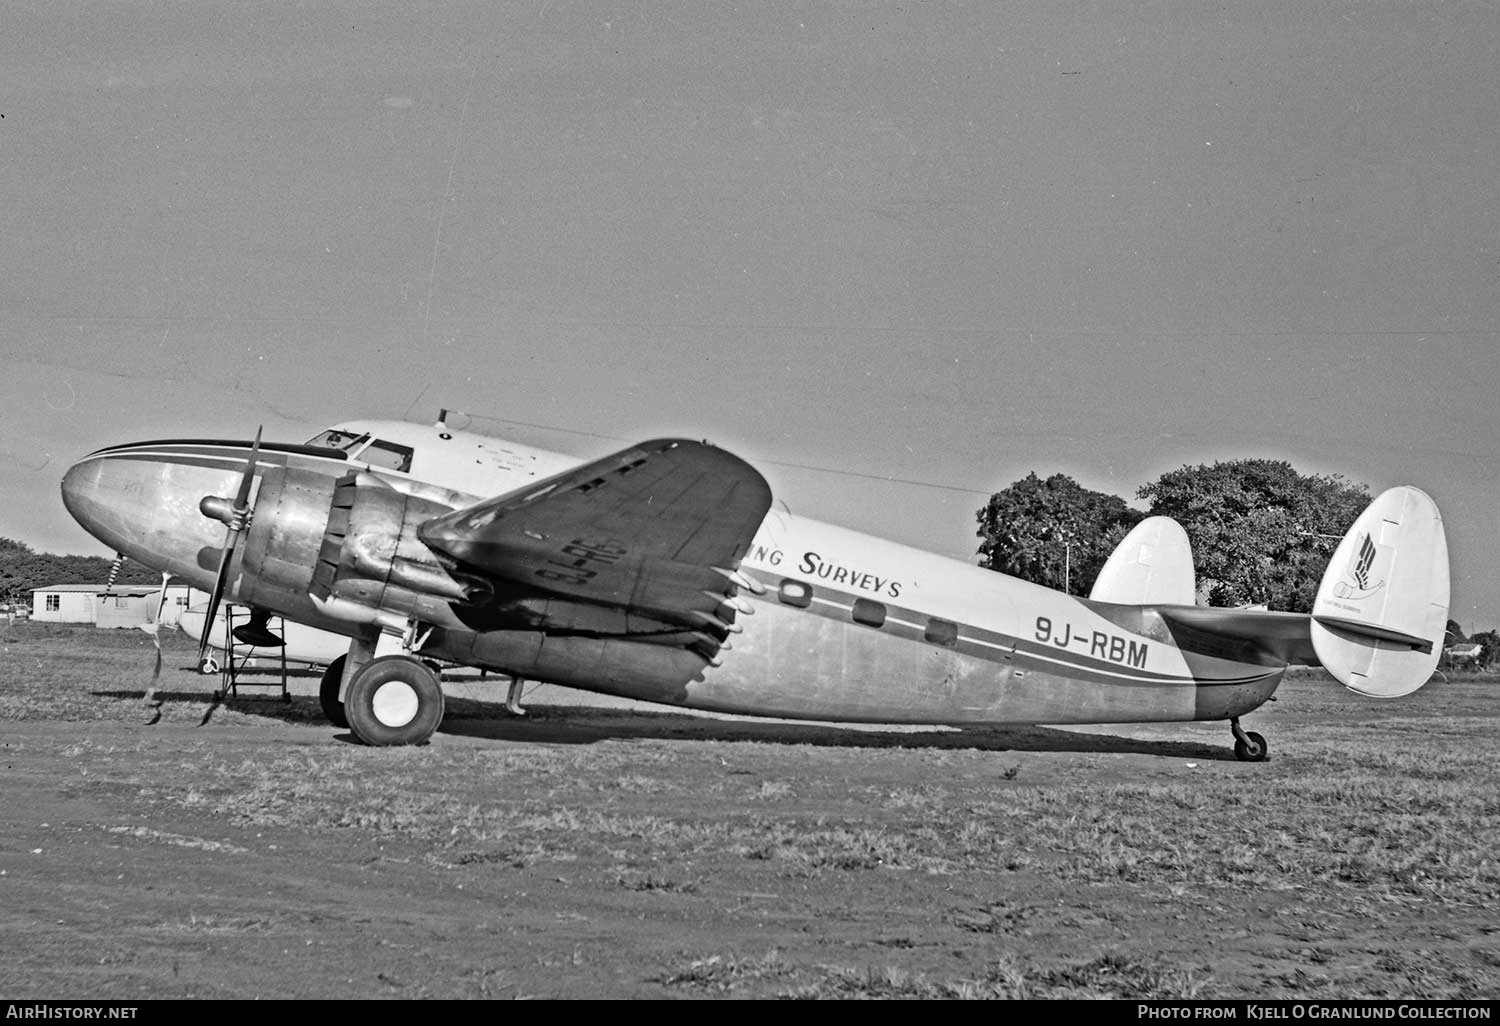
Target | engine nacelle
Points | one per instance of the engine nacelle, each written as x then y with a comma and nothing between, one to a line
281,546
345,554
345,550
371,567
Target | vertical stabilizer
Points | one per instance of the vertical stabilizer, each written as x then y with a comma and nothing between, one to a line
1152,566
1378,620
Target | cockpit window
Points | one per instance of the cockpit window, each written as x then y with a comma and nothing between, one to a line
388,455
333,438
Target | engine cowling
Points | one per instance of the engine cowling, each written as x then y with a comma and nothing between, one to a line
372,567
346,550
344,553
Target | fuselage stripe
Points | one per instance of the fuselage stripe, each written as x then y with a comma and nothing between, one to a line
995,647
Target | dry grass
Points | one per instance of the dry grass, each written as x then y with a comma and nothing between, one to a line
1039,855
1009,978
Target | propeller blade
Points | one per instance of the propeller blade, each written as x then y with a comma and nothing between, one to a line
231,540
241,500
217,595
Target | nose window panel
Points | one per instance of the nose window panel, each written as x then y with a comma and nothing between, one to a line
344,441
387,456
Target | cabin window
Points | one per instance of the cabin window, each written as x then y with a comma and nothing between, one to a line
54,603
795,593
941,632
388,455
869,612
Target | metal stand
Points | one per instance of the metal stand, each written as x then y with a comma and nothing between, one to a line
229,674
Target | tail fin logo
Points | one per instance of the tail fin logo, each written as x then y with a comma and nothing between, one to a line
1362,563
1356,583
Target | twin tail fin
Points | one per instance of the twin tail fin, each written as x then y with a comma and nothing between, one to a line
1381,609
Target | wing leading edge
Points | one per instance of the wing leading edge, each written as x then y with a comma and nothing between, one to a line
658,530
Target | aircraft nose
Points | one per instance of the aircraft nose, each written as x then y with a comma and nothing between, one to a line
82,494
142,500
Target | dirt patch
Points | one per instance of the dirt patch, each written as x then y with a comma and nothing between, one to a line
617,851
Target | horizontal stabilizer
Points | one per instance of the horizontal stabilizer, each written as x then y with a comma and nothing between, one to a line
1280,635
1153,565
1382,607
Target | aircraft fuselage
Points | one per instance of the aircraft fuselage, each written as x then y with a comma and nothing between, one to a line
837,625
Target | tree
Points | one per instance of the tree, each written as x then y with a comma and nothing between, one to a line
1490,640
22,569
1260,531
1053,532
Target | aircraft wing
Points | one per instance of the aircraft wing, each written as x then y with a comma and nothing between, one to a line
655,530
1286,636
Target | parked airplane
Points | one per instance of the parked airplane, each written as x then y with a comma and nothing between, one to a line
663,573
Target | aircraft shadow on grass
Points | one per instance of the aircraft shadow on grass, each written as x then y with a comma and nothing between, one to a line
582,725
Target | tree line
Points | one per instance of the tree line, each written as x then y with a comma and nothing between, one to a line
22,569
1261,532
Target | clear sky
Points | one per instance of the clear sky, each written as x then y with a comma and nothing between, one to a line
945,243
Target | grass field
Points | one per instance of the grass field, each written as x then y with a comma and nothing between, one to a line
602,849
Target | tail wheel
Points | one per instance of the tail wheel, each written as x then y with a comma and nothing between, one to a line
328,693
394,700
208,665
1251,749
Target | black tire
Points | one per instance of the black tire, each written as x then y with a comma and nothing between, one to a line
209,665
394,700
328,693
1247,753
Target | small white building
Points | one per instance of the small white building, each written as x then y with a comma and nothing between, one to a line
1465,654
124,605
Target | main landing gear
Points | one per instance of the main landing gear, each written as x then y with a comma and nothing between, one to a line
1248,746
394,700
387,700
328,693
513,697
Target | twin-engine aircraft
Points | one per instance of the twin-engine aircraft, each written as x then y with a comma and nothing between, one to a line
663,573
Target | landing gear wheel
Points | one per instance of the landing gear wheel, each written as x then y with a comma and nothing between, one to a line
208,666
394,700
1252,748
328,693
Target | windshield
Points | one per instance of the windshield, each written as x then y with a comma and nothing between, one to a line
333,438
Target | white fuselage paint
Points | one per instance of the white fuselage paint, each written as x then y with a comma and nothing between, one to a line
840,626
1019,653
